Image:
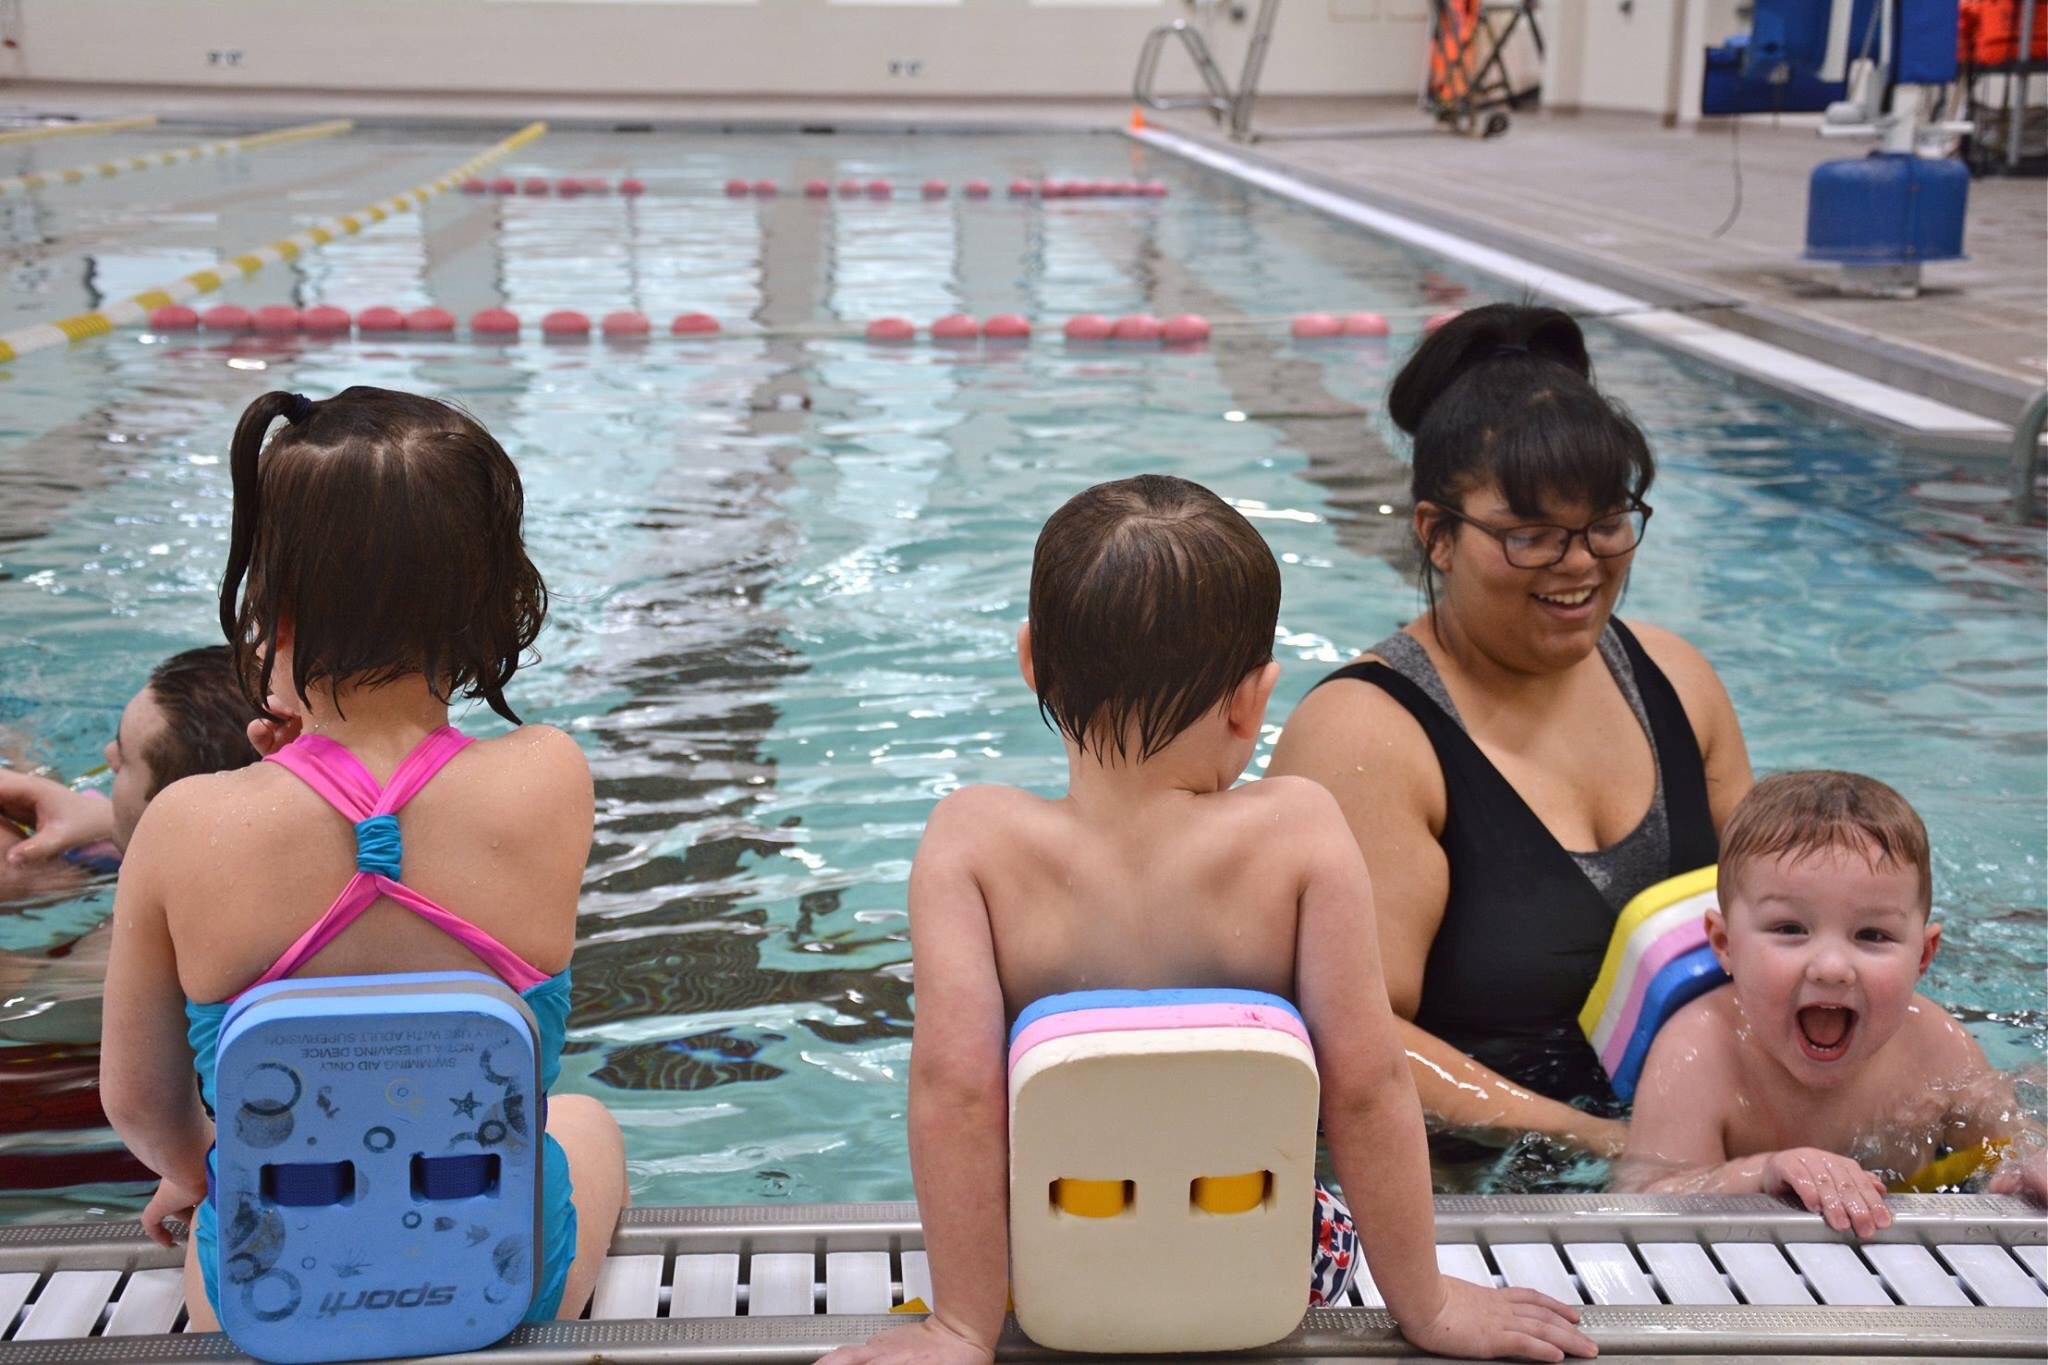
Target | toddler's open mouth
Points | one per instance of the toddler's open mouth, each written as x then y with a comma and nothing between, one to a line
1824,1031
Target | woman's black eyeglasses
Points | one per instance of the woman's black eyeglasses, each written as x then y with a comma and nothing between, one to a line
1539,547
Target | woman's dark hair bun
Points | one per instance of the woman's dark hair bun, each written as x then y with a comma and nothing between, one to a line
1473,338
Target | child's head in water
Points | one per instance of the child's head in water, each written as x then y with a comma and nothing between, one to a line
1153,604
1825,893
379,533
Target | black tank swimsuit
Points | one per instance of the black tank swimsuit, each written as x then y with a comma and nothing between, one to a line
1524,930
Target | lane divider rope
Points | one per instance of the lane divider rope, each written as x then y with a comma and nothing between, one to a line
136,308
71,175
112,125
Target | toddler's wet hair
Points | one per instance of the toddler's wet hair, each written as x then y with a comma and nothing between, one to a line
1151,599
381,530
1798,813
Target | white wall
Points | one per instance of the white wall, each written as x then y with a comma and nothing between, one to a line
1642,57
701,47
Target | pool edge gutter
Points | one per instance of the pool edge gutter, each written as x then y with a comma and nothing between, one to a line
1793,358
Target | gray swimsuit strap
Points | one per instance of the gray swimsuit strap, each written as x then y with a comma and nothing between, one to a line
1621,869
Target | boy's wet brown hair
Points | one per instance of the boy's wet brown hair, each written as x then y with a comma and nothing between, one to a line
382,529
206,717
1151,599
1790,814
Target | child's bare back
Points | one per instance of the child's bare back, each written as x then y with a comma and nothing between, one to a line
1175,889
499,836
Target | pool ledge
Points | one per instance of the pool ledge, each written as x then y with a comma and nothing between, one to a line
1873,382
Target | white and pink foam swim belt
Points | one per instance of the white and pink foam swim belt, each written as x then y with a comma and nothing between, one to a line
1162,1169
1657,961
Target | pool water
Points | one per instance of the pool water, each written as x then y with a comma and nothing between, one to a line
787,572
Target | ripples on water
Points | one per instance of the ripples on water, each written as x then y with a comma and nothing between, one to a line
787,577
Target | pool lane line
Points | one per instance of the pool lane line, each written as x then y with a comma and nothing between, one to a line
112,125
137,307
1675,328
1221,329
72,175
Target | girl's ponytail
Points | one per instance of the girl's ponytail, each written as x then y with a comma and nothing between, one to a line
248,495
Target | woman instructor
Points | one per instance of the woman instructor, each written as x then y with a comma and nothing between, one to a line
1517,763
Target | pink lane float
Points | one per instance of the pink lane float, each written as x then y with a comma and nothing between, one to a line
1314,327
626,326
693,324
275,317
735,189
1138,327
1185,329
489,322
1088,327
1007,327
891,330
173,317
565,323
325,320
1365,325
934,189
225,317
430,321
380,319
631,186
977,189
765,189
955,327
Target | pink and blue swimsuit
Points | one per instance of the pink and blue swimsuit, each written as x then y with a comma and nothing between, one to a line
344,783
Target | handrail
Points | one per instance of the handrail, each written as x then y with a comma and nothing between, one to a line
2026,456
1219,101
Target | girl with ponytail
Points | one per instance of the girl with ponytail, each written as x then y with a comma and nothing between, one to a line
1517,763
376,571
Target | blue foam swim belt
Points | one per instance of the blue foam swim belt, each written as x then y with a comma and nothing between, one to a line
377,1166
1113,1000
1685,979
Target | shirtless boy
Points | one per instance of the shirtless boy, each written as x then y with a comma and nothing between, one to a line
1149,644
1819,1070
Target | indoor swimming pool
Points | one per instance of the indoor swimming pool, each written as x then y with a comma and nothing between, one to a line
787,569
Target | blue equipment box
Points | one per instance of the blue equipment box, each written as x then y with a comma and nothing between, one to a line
1886,209
377,1166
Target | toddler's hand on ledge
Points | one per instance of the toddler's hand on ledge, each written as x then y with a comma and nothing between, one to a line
1836,1188
2022,1173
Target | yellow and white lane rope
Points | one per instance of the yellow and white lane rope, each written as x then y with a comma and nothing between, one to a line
112,125
137,309
71,175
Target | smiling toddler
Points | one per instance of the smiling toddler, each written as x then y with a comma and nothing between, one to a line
1819,1070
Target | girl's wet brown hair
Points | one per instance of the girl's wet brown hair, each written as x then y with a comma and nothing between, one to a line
1151,599
1503,394
383,530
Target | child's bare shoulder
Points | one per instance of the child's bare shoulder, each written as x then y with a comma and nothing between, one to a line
543,751
1940,1042
969,816
1697,1042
